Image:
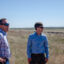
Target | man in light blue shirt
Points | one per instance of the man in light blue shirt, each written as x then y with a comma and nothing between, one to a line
37,46
4,46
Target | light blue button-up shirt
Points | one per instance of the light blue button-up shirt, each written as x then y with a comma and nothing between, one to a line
37,44
4,45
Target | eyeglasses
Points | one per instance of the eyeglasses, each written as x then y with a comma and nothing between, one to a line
6,24
41,27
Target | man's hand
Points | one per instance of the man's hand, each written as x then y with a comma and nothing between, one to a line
46,59
29,60
2,60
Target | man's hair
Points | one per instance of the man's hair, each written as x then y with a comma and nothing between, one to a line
1,20
38,24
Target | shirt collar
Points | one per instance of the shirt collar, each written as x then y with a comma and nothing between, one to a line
37,34
3,32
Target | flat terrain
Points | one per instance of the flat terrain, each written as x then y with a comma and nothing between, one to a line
18,41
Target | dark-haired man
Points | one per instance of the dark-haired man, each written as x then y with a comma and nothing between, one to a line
37,46
4,46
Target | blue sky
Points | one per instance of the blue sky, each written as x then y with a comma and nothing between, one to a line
24,13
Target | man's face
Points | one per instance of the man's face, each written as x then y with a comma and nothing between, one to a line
5,25
39,30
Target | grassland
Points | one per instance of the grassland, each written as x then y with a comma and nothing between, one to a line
18,41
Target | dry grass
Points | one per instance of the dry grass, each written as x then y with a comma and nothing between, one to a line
18,43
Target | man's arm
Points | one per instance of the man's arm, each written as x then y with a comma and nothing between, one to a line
3,48
46,49
29,49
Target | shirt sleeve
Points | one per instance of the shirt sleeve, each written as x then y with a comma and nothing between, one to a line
29,47
46,48
3,48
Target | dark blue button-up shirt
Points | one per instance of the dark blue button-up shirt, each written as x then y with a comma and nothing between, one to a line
37,44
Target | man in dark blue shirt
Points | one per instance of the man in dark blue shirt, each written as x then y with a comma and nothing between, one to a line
37,46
